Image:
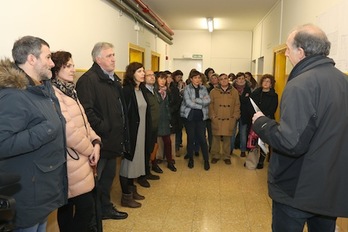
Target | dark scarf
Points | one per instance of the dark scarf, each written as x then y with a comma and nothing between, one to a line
67,88
163,91
196,90
303,65
239,88
227,91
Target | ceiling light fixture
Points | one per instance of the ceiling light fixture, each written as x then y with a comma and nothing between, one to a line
210,23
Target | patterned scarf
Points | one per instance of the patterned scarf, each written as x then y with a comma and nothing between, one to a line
67,88
240,88
163,92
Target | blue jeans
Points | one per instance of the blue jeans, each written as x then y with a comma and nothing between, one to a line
242,135
40,227
288,219
195,131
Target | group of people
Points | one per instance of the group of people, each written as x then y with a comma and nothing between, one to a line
219,108
63,139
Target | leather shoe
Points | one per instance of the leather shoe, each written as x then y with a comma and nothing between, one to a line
228,161
150,176
113,213
143,182
156,168
190,163
206,165
171,167
259,166
214,160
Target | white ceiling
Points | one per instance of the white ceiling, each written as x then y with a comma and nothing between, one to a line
227,14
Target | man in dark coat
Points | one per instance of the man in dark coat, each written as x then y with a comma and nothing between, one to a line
100,93
308,178
32,134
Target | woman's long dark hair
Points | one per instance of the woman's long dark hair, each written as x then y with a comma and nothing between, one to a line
129,75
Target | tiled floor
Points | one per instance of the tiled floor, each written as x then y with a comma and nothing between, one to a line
225,198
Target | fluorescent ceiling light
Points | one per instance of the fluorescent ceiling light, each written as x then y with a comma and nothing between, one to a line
210,23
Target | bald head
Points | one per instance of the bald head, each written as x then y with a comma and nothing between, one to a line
311,39
150,77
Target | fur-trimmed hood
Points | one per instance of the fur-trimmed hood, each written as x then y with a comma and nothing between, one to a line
10,76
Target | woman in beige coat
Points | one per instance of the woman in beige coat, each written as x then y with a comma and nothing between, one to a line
83,148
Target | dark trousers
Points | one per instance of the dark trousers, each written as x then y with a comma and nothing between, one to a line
209,132
167,148
288,219
195,131
106,174
178,140
77,214
148,155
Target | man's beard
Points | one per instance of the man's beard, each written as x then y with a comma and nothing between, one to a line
45,76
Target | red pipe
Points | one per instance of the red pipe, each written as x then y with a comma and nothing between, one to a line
146,9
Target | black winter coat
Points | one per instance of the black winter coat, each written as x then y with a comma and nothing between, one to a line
175,100
132,113
32,135
153,102
103,101
266,101
308,167
246,108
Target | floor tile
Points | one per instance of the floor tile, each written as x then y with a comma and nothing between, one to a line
225,198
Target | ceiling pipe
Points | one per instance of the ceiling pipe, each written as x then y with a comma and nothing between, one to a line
133,4
146,9
130,12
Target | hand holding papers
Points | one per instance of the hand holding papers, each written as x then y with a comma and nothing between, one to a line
256,108
262,145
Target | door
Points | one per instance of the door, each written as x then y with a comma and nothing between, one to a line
185,65
279,74
136,54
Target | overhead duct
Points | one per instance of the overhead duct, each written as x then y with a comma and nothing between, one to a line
148,23
149,15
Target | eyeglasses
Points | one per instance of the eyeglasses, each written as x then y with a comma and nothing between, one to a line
148,75
224,78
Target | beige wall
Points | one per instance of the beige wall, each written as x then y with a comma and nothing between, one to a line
276,25
76,26
225,51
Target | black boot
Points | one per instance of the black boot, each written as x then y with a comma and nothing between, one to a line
261,160
206,165
156,168
190,163
171,166
142,181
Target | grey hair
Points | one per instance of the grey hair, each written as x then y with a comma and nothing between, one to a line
98,47
312,40
25,46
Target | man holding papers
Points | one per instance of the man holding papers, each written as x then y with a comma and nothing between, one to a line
308,175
